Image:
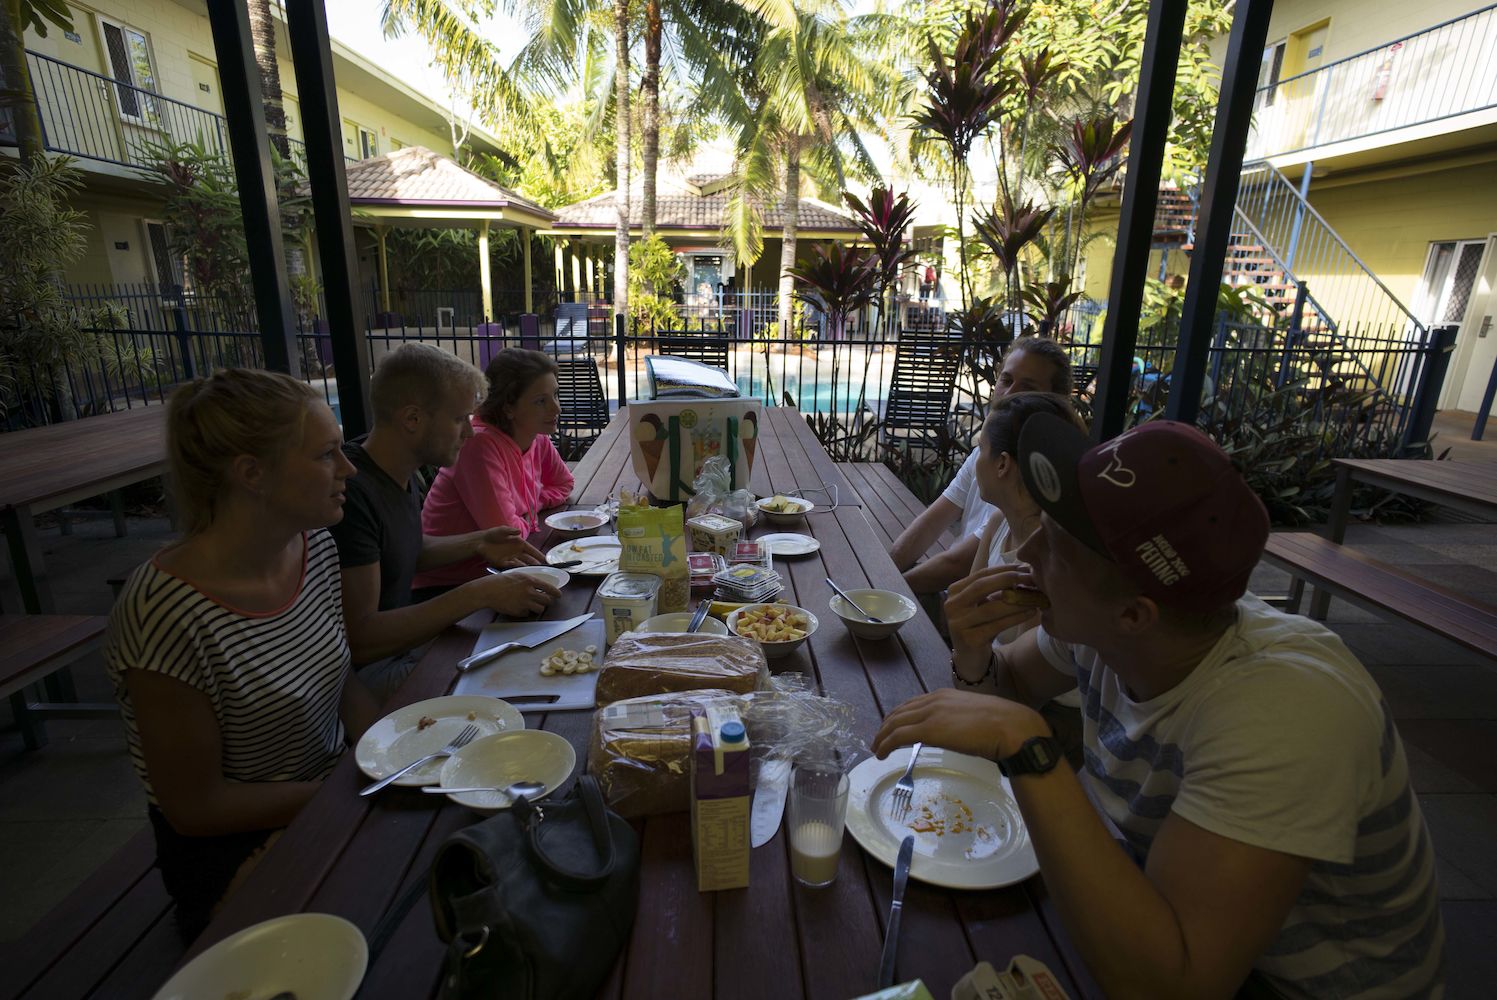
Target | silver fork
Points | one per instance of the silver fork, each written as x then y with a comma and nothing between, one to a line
904,788
459,741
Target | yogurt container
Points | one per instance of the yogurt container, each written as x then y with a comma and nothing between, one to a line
714,533
628,599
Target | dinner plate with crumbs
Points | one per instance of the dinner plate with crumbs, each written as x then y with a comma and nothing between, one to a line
968,831
596,555
414,731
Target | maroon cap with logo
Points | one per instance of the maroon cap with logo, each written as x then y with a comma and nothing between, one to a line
1162,501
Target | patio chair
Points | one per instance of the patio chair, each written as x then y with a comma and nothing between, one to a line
584,406
709,349
918,410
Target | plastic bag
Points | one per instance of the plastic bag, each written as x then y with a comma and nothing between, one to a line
640,750
654,542
715,494
653,663
791,720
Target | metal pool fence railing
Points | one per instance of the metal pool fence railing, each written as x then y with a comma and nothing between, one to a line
143,349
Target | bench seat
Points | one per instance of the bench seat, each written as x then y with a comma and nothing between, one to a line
889,504
33,648
90,944
1383,589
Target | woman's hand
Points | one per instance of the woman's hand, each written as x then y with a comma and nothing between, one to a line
976,612
504,546
518,595
965,721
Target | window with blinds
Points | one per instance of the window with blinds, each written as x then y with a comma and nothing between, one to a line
130,64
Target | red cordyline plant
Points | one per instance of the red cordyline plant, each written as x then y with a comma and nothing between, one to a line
884,219
1091,154
1006,230
1046,304
965,97
838,281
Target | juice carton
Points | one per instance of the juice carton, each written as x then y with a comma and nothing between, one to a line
720,797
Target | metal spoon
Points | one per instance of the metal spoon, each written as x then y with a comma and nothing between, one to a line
515,792
843,594
700,615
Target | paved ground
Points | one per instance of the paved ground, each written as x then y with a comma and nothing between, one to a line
66,808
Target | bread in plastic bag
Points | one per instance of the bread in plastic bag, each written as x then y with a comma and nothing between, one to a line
640,750
652,663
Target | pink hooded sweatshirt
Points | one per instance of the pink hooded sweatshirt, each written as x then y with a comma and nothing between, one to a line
492,483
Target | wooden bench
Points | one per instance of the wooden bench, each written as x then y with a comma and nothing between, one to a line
106,939
1383,589
32,649
889,504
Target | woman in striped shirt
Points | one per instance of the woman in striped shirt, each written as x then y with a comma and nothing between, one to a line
227,650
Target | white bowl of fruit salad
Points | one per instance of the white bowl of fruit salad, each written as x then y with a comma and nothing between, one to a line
780,628
783,509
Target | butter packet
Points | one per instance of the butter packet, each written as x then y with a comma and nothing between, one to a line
1025,979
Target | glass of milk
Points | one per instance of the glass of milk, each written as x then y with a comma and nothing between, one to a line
815,811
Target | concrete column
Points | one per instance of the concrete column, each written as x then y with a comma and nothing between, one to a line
484,280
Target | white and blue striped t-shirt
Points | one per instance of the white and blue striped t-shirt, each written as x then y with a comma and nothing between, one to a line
275,679
1281,740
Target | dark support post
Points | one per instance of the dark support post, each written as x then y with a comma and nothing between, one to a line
1480,427
1431,381
312,54
1234,114
618,335
244,114
1130,264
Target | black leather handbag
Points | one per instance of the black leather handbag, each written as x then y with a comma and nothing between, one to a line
535,903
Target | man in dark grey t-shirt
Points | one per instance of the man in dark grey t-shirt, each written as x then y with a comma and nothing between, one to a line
422,398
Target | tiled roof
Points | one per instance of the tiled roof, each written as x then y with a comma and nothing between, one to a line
678,208
416,176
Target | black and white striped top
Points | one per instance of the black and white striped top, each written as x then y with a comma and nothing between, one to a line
275,678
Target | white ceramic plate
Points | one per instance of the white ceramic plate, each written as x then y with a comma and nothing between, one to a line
576,521
503,759
557,578
599,555
397,739
316,956
789,543
968,830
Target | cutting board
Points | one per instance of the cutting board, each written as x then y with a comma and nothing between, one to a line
516,677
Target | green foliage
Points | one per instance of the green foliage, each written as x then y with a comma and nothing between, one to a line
203,220
653,268
36,13
838,280
39,333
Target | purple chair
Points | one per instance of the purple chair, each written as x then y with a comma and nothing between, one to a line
530,331
490,339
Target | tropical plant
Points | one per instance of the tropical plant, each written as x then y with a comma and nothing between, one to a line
1007,233
884,220
965,95
17,95
838,280
262,35
1091,153
653,266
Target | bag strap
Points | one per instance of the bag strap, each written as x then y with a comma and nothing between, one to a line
585,790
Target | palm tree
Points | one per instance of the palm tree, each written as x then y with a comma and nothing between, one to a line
621,146
818,78
262,32
18,96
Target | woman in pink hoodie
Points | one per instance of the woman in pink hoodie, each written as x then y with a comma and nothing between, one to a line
509,471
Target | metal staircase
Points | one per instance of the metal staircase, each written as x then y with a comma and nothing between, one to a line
1282,248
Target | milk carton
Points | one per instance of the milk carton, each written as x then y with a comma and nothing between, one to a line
720,796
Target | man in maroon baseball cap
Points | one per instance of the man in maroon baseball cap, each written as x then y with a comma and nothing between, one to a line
1246,815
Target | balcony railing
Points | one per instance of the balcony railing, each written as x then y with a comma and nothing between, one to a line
1431,75
95,117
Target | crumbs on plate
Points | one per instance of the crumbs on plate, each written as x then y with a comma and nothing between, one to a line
424,723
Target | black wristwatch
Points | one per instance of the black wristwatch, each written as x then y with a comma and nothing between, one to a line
1038,755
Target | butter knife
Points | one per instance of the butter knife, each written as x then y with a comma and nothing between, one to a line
891,934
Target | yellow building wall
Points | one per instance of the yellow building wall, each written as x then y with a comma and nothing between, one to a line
1390,223
1355,25
178,36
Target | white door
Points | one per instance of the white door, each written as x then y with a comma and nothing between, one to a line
1476,342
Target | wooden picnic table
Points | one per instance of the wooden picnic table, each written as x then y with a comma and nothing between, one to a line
1468,487
44,468
354,857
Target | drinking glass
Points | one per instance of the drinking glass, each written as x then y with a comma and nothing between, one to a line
816,811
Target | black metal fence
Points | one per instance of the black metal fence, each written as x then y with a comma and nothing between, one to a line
1361,395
